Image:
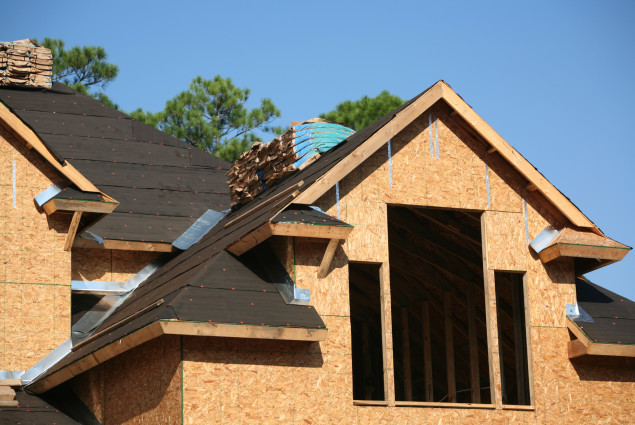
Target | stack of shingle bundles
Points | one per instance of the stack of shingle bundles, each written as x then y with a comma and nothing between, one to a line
260,167
25,64
264,164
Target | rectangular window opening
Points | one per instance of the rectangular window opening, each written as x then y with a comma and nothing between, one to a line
366,331
512,336
439,329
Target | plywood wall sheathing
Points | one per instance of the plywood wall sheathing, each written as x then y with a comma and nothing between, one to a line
34,268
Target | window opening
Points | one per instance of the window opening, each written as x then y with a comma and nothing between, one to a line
512,334
440,347
366,331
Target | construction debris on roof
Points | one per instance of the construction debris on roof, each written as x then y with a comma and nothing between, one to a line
25,63
264,164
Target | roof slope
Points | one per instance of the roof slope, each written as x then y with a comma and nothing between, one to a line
613,315
222,290
162,184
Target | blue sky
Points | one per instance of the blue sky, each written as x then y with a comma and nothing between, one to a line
555,79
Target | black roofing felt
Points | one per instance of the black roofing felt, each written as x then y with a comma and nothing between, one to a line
149,172
613,314
74,194
306,215
33,410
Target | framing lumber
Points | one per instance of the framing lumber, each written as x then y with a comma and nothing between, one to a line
328,258
72,231
311,230
78,206
519,348
368,390
443,404
427,350
407,372
449,346
13,124
251,239
475,381
125,245
386,332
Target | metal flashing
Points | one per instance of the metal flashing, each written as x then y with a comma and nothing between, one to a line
11,374
196,231
577,313
97,287
48,194
544,238
90,321
43,365
91,237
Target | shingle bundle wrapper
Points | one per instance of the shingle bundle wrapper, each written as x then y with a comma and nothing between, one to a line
264,164
23,63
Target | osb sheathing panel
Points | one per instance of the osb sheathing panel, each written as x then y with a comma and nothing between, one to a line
141,386
236,381
109,265
34,268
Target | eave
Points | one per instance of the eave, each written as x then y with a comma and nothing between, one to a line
583,345
173,327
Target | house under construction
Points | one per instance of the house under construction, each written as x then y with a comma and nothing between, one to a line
419,270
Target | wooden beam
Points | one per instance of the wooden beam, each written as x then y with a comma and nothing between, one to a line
11,382
251,239
125,245
427,351
491,150
531,187
386,332
520,345
475,380
175,327
13,124
328,257
77,205
449,346
517,160
311,230
576,348
371,145
72,231
405,338
265,203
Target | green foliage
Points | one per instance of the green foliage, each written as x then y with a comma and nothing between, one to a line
360,113
212,116
85,68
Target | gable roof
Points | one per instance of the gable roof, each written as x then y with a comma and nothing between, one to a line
161,183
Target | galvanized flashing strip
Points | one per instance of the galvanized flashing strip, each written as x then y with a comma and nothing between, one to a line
48,194
96,287
389,165
90,321
43,365
544,238
11,374
576,313
196,231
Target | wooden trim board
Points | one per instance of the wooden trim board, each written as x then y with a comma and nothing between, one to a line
77,205
310,230
125,245
15,125
560,250
72,231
